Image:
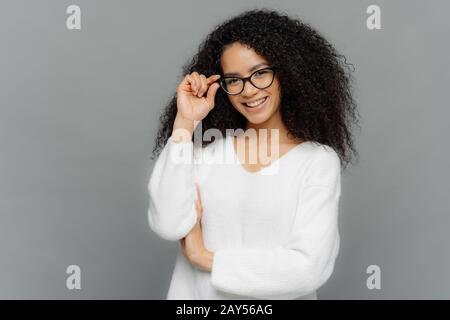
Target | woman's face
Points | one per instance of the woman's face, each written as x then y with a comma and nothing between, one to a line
241,61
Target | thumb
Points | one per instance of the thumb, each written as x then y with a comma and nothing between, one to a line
212,93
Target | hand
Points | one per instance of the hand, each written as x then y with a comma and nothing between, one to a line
191,103
192,245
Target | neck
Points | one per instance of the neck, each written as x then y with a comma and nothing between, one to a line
273,122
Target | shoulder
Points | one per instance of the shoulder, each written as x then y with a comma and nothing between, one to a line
323,165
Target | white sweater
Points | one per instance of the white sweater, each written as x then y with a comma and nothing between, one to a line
274,233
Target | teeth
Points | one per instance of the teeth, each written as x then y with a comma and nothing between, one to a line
255,103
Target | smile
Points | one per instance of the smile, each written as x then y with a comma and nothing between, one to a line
258,104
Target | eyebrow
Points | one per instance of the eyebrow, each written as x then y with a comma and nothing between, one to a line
250,70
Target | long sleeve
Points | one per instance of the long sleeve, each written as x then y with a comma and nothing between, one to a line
171,188
306,260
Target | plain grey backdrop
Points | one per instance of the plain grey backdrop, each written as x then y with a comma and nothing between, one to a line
79,113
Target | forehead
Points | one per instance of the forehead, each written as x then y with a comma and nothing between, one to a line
239,58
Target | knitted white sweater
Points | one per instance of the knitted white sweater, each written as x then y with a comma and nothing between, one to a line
274,233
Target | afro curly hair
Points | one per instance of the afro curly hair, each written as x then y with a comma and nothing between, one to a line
316,100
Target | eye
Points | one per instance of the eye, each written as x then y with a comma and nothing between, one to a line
231,81
261,73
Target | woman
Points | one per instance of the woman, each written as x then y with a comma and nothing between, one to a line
256,230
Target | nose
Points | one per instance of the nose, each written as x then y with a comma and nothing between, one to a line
249,89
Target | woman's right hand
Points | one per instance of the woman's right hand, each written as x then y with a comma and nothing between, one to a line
191,102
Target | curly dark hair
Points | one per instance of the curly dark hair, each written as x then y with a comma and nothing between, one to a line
316,100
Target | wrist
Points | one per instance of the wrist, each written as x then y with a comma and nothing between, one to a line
183,129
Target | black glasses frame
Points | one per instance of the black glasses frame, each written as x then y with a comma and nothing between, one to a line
244,80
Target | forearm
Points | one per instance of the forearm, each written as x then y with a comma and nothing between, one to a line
205,260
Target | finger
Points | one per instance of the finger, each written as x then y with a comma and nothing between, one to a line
212,78
191,82
203,87
197,80
185,84
197,206
198,193
211,94
199,215
200,205
199,211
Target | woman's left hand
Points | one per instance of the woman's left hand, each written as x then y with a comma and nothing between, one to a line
192,244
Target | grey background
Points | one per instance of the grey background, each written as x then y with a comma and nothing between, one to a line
79,112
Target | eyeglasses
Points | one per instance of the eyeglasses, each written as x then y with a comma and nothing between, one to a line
260,79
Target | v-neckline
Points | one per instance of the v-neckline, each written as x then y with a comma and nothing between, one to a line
278,160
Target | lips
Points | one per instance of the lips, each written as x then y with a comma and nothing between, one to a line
256,103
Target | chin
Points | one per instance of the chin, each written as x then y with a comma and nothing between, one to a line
257,119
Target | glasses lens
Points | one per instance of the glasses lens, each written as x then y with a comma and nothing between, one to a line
262,78
232,85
